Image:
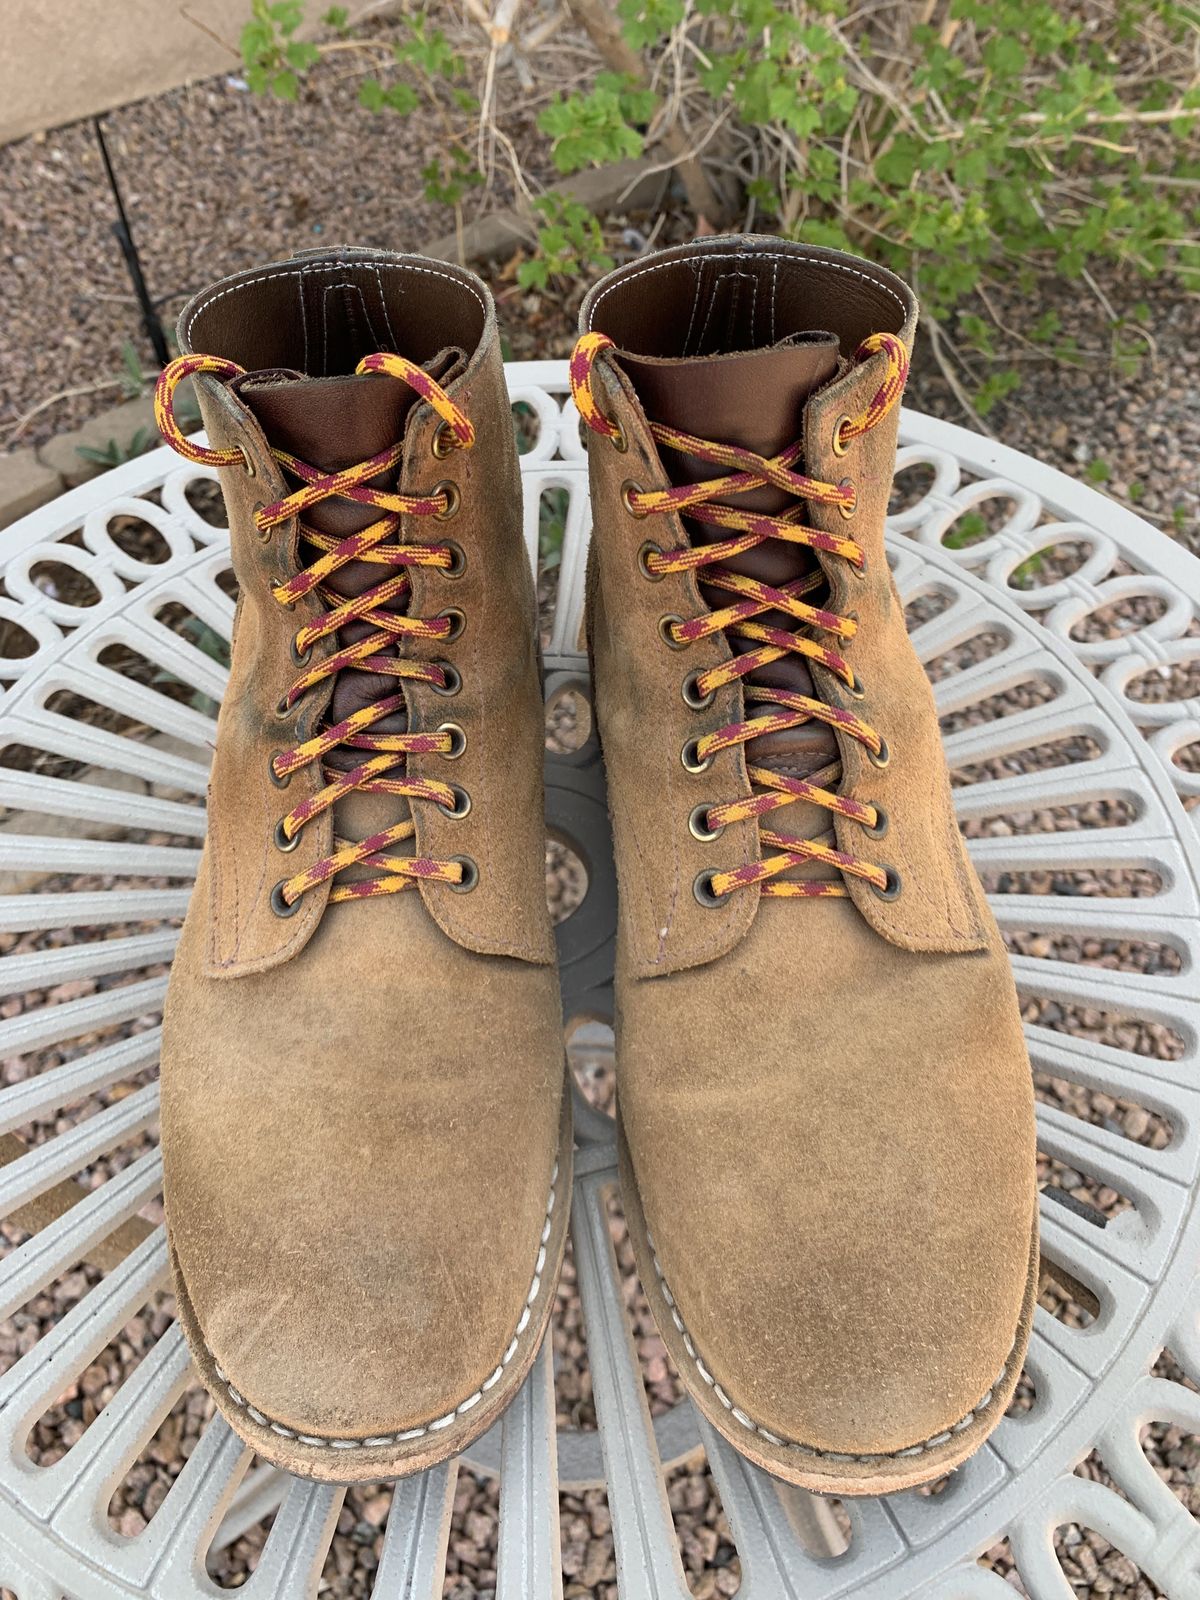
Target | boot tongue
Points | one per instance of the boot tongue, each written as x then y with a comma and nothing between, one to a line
754,400
333,423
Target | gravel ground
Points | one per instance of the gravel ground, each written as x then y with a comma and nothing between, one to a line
216,180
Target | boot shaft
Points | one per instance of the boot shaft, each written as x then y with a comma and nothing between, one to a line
297,336
799,355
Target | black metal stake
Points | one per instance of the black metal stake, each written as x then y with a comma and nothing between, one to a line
133,262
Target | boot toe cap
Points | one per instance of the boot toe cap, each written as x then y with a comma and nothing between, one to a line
394,1336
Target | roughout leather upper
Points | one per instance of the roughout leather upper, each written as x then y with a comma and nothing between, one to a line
361,1101
827,1103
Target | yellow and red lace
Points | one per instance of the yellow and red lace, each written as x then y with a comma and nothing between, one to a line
384,752
706,503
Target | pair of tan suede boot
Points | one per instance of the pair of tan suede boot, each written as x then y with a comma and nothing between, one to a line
825,1110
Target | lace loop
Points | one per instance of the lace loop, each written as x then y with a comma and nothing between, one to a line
705,503
375,607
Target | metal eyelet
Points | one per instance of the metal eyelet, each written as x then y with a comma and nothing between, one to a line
443,441
697,828
840,445
665,624
280,783
690,757
457,620
248,466
848,511
891,890
262,534
458,561
462,805
282,842
692,697
470,875
703,890
628,490
279,905
453,677
453,499
881,822
856,690
458,740
618,440
881,760
299,657
859,568
282,710
649,549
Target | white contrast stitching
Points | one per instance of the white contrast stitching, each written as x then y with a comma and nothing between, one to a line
751,1426
375,1441
745,257
326,266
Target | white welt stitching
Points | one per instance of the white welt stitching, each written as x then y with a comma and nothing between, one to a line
748,1423
376,1440
745,257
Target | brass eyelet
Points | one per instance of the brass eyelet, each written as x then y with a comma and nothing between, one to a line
665,624
457,620
691,695
262,534
649,549
840,445
703,890
282,710
248,466
280,783
453,499
619,442
282,842
628,490
691,759
453,677
458,561
279,905
881,822
443,441
460,808
458,740
859,569
857,689
881,760
470,875
697,828
891,890
848,511
299,657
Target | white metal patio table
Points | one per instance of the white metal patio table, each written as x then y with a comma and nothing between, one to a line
1051,709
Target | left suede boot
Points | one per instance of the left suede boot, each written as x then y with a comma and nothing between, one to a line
366,1140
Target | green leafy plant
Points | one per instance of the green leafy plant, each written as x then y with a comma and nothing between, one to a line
113,453
967,143
424,73
274,58
569,240
600,126
552,527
